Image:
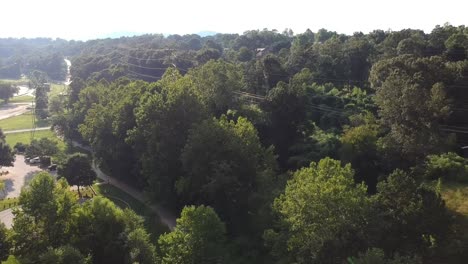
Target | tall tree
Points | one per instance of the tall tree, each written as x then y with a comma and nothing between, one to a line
64,255
199,237
408,217
108,234
7,157
7,90
77,171
163,121
226,167
45,217
322,213
5,243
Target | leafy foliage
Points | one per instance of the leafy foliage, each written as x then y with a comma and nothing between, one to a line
322,213
77,170
199,237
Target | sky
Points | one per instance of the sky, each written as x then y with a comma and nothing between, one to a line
88,19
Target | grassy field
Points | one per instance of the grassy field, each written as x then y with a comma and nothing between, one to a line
151,220
21,122
25,137
21,99
22,81
57,89
456,197
11,260
8,203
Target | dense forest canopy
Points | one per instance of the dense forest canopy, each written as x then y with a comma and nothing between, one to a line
276,147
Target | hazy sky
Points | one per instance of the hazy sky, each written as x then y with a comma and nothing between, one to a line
85,19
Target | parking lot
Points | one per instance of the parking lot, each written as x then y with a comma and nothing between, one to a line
18,175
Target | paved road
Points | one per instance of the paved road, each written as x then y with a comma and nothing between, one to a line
166,217
6,217
25,130
11,110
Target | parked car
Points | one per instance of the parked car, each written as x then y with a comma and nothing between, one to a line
35,160
52,167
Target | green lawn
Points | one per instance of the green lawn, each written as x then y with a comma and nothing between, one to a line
22,81
456,197
22,99
57,89
25,137
11,260
152,222
21,122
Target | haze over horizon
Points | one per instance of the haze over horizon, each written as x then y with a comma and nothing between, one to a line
89,19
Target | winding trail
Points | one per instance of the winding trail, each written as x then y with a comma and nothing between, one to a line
166,217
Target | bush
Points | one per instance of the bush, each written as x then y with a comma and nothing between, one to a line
45,161
20,147
448,166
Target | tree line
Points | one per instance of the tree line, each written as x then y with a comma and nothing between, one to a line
281,148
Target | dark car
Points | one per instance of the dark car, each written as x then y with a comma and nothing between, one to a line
52,167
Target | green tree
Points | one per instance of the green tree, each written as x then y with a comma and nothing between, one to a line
408,217
39,81
107,124
5,243
457,46
216,81
414,128
322,213
359,147
108,234
42,147
244,54
56,105
63,255
206,54
377,256
45,217
226,167
7,157
163,121
141,250
448,166
199,237
7,90
77,171
287,112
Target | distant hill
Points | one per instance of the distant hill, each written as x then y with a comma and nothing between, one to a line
120,34
206,33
